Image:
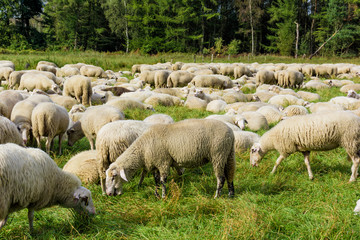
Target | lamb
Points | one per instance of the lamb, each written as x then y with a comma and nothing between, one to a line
84,165
188,143
9,132
113,139
124,103
313,132
353,94
179,78
244,140
5,73
91,122
39,184
8,99
79,87
31,81
265,76
49,120
92,71
159,118
160,78
216,106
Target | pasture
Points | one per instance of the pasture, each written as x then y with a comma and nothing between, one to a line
285,205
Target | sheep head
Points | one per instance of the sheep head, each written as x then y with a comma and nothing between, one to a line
256,154
82,201
114,178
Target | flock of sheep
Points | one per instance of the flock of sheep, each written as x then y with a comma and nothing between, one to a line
79,100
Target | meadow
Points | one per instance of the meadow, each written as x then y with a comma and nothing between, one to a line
285,205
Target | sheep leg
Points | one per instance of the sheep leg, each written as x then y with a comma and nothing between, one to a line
220,185
48,145
31,219
157,182
3,222
278,161
354,169
142,176
231,189
38,142
91,141
60,141
163,185
307,163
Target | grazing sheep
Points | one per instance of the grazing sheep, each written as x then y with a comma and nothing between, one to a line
241,70
353,94
84,165
235,119
346,102
255,121
272,114
49,120
47,68
216,106
286,100
163,100
21,117
14,78
92,71
347,87
148,77
179,79
309,96
117,91
313,132
31,81
213,81
177,92
8,99
159,118
5,73
135,69
65,101
293,110
325,107
124,103
160,78
39,184
80,88
193,102
325,70
9,132
265,77
113,139
91,122
244,140
288,78
67,71
188,143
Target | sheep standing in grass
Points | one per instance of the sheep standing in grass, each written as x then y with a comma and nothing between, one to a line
265,77
91,122
80,88
9,132
49,120
313,132
160,78
5,73
8,99
39,184
188,143
21,116
179,78
31,81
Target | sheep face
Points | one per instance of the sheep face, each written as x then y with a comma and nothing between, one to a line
256,154
240,121
75,133
82,201
114,178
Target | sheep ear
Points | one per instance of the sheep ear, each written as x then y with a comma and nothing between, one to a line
123,175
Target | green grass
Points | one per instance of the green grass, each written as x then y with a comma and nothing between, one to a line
286,205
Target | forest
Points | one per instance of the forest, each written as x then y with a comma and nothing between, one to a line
283,27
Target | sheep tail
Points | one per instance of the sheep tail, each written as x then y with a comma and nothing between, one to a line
230,167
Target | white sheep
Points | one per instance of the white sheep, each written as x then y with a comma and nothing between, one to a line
163,100
235,119
113,139
7,63
5,73
347,87
9,132
309,96
264,95
272,114
244,140
315,84
193,102
352,94
65,101
286,100
8,99
122,103
67,71
213,81
31,81
346,102
84,165
47,68
265,77
79,87
148,77
255,121
160,78
216,106
188,143
49,120
324,107
91,122
21,117
293,110
159,118
39,184
92,71
313,132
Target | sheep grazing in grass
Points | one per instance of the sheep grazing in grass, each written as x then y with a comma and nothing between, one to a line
79,87
188,143
313,132
39,184
9,132
49,120
8,99
265,77
179,79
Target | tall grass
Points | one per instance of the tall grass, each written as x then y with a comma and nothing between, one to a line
285,205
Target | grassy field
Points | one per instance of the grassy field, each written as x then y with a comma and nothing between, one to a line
286,205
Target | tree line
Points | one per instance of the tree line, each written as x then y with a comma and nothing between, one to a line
286,27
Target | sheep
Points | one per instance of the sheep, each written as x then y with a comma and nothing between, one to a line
84,165
325,107
293,110
313,132
352,94
346,102
31,81
308,70
188,143
39,184
241,70
309,96
235,119
163,100
47,68
272,114
199,93
47,63
159,118
255,121
65,101
264,96
179,78
325,70
177,66
135,69
67,71
244,140
124,103
286,100
160,78
49,120
148,77
288,78
227,69
214,81
21,117
346,88
5,73
6,63
265,76
79,87
193,102
316,84
9,132
92,71
113,139
91,122
216,106
8,99
177,92
14,78
236,96
117,91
